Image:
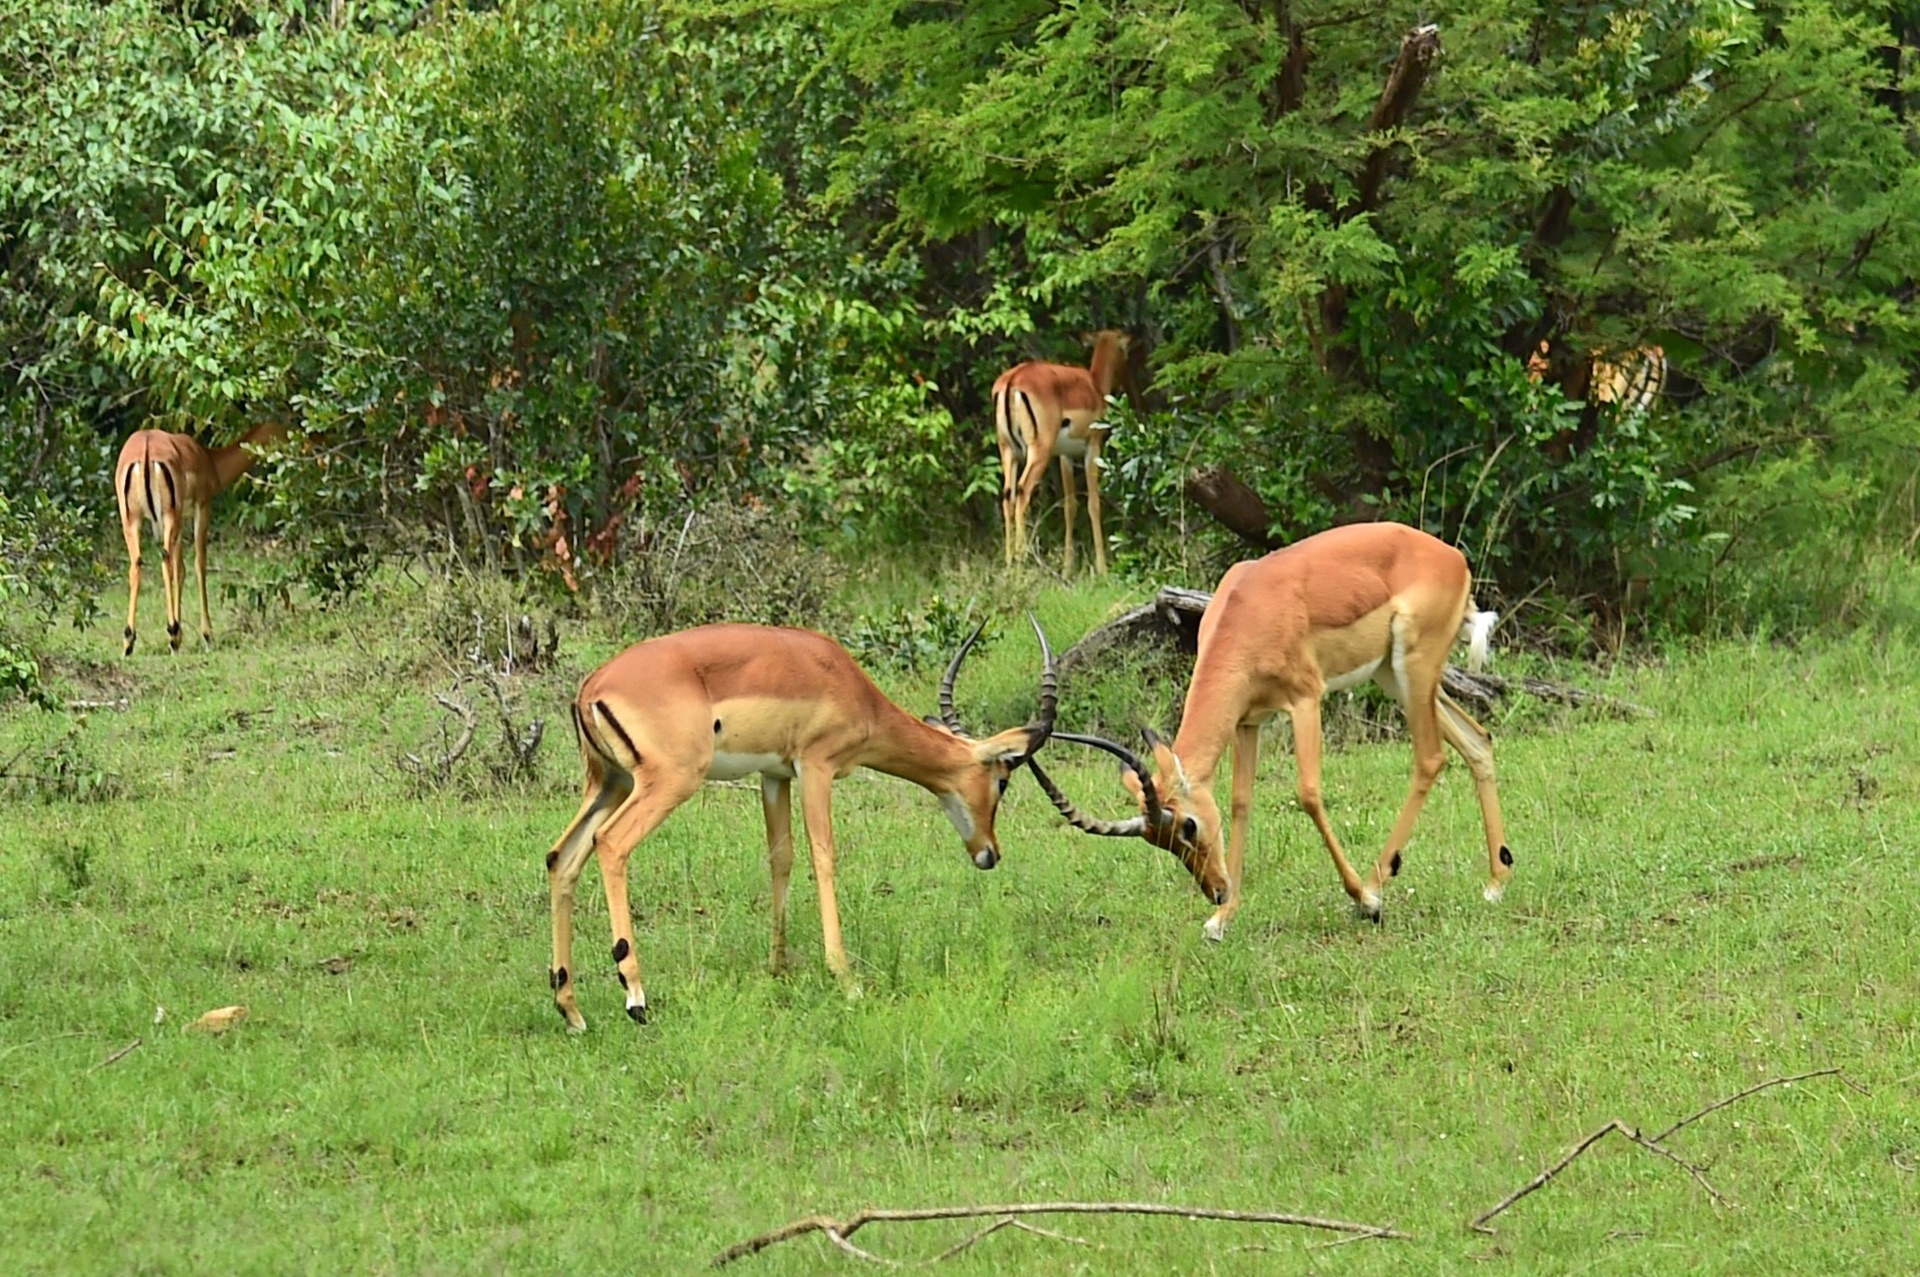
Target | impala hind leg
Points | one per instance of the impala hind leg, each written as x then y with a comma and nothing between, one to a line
1069,509
173,569
1416,686
656,793
776,803
1094,442
1472,742
130,529
1009,475
1305,713
607,788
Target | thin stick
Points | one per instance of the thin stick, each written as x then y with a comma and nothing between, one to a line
1479,1224
1699,1176
117,1056
1006,1221
835,1237
1740,1095
1653,1144
846,1228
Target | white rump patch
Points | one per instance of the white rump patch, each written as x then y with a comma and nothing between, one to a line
956,808
734,766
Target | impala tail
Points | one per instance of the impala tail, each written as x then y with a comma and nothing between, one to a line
1476,629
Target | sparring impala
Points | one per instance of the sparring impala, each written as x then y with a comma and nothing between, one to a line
1371,600
163,477
723,701
1042,410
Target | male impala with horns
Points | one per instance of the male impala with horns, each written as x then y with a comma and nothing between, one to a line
1371,600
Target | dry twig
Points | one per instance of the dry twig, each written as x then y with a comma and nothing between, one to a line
117,1056
1652,1143
838,1231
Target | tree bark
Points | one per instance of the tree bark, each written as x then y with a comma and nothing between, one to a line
1234,505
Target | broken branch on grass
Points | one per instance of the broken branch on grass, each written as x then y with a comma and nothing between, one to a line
117,1056
1652,1143
839,1230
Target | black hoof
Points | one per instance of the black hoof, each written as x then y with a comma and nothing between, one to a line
638,1014
1377,917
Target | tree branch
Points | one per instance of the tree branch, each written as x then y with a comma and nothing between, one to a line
838,1231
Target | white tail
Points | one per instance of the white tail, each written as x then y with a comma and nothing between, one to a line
1476,627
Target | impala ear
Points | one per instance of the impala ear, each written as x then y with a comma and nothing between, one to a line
1010,747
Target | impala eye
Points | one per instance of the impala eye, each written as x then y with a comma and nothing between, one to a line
1190,829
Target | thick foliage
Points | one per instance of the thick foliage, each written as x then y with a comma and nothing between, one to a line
1344,259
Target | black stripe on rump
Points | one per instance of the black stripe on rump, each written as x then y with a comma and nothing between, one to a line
173,496
621,732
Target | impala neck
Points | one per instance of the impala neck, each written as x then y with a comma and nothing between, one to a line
901,745
1206,730
1109,359
232,461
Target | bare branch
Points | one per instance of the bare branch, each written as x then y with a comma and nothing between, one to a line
1717,1105
1479,1222
117,1056
1653,1144
839,1230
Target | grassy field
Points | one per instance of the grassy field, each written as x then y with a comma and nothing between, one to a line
1704,898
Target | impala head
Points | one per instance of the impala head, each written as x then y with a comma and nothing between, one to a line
1173,815
971,796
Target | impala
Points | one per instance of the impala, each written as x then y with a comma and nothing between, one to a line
723,701
1040,410
1631,380
163,476
1371,600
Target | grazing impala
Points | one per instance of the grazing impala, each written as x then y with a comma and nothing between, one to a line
723,701
162,476
1040,410
1372,600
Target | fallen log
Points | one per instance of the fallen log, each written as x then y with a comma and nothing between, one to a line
1175,613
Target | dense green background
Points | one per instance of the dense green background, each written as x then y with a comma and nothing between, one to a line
723,287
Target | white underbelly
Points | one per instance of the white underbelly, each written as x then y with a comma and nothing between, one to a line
1353,677
733,766
1066,445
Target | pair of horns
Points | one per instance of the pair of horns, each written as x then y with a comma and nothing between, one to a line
1041,728
1150,796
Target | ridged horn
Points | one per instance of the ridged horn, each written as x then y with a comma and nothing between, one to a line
1106,828
947,716
1042,727
1127,760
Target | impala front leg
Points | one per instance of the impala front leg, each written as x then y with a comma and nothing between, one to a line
816,805
1246,758
776,803
1069,509
1305,713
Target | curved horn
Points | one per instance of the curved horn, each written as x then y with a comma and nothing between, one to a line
1127,760
1049,690
1107,828
947,716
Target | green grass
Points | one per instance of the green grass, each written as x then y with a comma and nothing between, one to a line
1704,898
